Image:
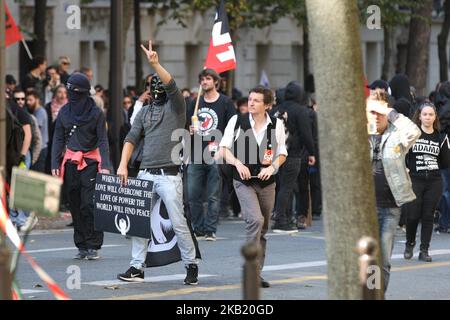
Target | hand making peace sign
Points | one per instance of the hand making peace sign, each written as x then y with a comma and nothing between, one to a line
152,56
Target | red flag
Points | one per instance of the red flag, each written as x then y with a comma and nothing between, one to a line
221,55
366,89
13,34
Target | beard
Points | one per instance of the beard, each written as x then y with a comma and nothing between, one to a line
32,107
208,89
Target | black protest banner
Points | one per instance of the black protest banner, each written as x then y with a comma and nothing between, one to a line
125,210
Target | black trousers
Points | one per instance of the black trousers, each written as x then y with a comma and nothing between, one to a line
288,174
309,181
428,192
80,191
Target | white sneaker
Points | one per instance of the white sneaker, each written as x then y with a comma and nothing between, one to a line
29,224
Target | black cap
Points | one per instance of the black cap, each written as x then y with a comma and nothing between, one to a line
78,82
381,84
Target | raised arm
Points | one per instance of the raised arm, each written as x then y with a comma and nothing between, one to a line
153,59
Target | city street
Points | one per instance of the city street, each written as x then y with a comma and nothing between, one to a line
295,266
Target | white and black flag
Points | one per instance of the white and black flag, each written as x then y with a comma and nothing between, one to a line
163,247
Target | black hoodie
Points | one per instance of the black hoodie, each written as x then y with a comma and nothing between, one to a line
444,107
401,91
298,122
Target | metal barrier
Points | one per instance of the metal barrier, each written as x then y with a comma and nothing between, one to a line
251,281
371,287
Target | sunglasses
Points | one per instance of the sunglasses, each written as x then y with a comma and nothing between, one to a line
19,99
66,63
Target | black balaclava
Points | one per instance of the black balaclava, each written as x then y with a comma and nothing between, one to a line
156,88
81,104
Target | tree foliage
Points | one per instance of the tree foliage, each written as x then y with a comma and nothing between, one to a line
393,12
241,13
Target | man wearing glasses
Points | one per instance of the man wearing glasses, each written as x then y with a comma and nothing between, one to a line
63,68
25,120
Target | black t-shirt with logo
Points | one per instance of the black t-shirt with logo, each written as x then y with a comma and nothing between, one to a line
423,155
213,118
383,193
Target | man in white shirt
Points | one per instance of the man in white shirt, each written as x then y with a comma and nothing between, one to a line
254,144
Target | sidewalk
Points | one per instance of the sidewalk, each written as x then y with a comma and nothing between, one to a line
60,222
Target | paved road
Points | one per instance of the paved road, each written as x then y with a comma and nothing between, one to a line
295,265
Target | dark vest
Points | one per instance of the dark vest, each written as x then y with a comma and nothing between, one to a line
246,149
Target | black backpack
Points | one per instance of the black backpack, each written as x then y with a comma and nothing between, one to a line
14,141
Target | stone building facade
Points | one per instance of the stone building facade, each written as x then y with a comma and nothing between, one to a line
278,49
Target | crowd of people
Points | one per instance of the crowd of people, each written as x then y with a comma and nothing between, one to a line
258,156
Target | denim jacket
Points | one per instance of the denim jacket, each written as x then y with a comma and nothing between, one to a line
397,139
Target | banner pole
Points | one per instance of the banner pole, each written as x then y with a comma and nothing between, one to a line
27,49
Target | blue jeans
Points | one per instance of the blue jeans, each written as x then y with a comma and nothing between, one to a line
19,217
170,189
201,177
444,219
388,219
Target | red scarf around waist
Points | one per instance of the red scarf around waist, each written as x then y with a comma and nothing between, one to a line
78,158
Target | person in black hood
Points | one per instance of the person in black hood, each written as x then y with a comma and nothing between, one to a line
444,109
279,99
80,150
401,91
443,101
299,140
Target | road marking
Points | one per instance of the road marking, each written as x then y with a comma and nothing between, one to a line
422,266
48,232
175,292
71,248
322,277
298,265
178,292
301,265
437,252
147,280
28,291
217,238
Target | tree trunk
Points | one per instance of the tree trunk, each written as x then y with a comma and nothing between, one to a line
442,44
389,43
419,47
128,9
347,182
306,50
138,51
40,9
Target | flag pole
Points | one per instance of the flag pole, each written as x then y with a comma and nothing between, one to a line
198,100
27,49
